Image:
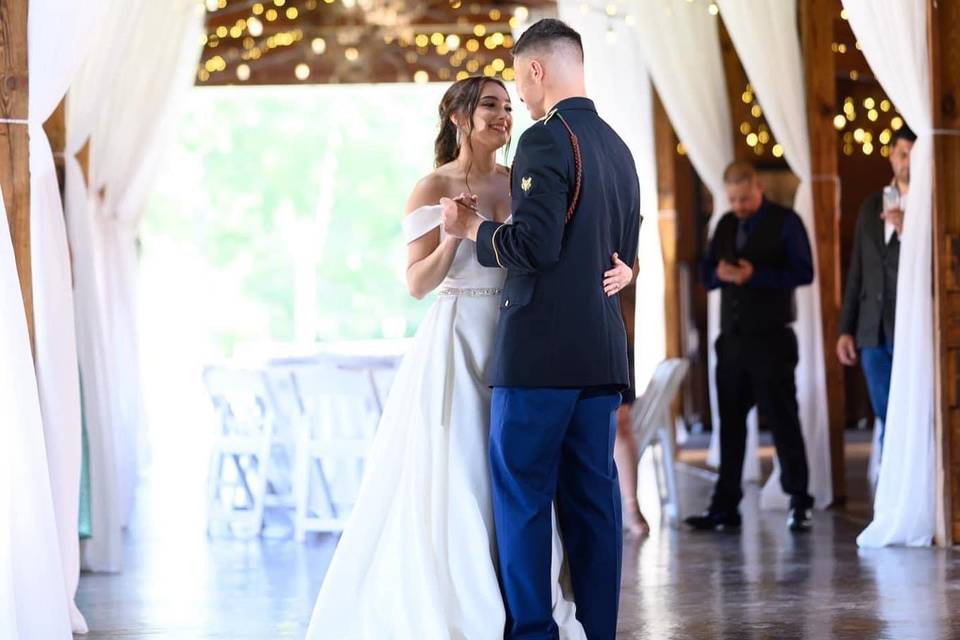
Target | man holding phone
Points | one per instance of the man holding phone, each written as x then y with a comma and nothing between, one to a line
870,299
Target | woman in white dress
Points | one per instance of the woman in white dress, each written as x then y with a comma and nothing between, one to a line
417,558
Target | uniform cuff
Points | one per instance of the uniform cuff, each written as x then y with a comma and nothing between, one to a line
486,252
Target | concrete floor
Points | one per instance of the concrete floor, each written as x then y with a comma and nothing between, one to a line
761,583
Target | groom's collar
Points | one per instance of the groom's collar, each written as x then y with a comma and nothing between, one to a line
571,103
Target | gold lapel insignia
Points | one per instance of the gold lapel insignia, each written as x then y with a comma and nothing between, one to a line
526,183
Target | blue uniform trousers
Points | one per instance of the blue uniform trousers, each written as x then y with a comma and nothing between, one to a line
551,445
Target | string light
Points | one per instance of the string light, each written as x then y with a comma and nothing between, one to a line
468,36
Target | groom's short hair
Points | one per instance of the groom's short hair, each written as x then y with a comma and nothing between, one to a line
543,35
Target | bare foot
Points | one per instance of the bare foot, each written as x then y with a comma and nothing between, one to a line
633,521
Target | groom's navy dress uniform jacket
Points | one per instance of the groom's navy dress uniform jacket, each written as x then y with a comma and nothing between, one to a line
557,327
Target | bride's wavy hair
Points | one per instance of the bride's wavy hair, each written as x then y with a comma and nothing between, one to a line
462,97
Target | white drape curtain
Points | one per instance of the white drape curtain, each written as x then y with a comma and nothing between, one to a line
893,35
33,600
59,36
681,45
92,87
147,58
625,101
774,66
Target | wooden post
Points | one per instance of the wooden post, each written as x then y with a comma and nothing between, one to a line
665,148
56,129
681,228
944,29
816,26
14,141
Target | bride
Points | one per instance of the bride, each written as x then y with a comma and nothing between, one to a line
417,559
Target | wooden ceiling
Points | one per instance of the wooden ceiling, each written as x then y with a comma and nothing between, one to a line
354,41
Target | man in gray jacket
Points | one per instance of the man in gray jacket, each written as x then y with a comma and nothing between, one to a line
870,299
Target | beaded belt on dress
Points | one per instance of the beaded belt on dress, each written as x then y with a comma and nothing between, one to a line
477,293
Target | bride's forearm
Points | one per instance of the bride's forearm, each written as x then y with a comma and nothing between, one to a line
425,275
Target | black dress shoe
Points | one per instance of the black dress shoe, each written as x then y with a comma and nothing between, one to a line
715,521
799,520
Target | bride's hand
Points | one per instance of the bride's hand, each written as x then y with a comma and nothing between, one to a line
618,277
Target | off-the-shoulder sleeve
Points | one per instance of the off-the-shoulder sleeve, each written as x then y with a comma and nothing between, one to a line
421,221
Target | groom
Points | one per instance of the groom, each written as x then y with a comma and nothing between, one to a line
560,358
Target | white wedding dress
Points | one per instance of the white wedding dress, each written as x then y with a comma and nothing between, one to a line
417,558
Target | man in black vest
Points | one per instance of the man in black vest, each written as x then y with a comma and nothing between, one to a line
758,255
870,299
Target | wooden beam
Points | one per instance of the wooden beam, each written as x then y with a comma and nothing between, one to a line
816,26
944,30
14,142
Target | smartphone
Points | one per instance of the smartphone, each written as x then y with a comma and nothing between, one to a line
891,198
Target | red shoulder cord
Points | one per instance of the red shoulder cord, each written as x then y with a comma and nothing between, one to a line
577,166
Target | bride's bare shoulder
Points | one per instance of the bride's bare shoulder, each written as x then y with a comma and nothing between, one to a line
428,190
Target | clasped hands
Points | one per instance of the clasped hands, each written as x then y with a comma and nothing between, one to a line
894,217
460,216
737,273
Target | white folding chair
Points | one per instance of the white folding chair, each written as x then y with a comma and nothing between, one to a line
652,424
287,413
240,459
340,411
